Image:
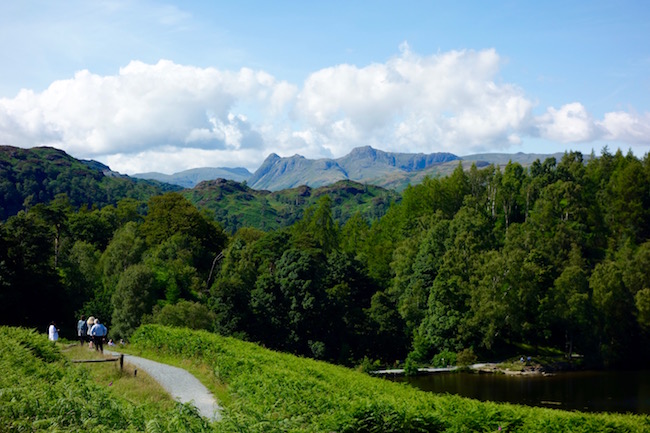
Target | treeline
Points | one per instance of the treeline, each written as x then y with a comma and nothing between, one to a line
555,255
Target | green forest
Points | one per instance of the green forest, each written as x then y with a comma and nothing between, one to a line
556,254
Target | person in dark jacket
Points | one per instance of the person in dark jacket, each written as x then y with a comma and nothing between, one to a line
82,330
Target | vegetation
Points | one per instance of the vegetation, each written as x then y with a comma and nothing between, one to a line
41,391
275,392
127,382
477,263
262,390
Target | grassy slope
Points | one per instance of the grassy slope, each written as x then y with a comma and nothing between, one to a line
41,391
273,392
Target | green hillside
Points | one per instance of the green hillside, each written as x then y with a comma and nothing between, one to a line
267,391
41,391
32,176
236,205
260,390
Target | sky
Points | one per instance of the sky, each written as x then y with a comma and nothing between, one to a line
167,86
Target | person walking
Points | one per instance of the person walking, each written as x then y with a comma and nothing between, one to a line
82,330
52,332
90,323
98,332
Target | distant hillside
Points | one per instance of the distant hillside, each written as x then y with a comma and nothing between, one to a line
190,178
37,175
363,164
236,205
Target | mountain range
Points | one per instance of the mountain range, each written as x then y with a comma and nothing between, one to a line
367,165
192,177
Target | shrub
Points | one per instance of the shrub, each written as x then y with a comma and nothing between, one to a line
367,365
184,313
444,359
466,357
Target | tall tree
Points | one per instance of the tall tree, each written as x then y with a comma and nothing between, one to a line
34,294
170,214
134,297
317,228
614,305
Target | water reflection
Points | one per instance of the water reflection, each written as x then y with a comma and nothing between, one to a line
585,391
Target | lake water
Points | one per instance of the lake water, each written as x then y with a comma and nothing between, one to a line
598,391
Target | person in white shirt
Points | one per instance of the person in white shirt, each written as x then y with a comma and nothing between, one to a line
52,332
98,332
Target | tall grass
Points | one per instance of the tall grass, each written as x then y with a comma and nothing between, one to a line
123,382
41,391
276,392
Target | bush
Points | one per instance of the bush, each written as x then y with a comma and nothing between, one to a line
444,359
411,365
368,365
466,357
184,314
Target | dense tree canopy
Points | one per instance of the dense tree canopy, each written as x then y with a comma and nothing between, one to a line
556,254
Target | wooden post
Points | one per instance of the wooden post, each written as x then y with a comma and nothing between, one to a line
121,361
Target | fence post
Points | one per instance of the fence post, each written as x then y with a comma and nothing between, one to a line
121,361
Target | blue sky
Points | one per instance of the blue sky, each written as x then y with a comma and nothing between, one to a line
167,86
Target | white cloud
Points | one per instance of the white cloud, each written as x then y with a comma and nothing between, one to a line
439,102
168,159
141,108
627,127
169,117
571,123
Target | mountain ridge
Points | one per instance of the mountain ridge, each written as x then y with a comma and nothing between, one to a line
192,177
363,164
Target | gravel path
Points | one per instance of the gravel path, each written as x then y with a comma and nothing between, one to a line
182,385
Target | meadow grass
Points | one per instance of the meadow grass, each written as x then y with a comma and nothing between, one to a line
276,392
137,388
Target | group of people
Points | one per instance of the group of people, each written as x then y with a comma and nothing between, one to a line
92,331
89,331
